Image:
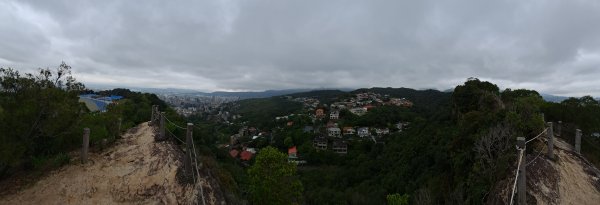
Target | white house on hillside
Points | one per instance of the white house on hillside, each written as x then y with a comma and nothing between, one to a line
334,115
363,132
334,132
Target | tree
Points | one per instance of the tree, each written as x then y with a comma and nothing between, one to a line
288,142
273,180
397,199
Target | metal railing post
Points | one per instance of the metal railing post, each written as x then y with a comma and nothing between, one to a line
522,180
188,141
578,141
86,145
550,141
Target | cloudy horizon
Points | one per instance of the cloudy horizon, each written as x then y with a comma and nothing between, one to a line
551,46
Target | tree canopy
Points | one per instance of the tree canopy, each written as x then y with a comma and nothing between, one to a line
273,180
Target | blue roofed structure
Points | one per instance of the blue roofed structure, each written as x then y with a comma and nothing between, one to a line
97,103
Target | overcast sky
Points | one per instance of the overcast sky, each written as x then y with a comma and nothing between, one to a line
552,46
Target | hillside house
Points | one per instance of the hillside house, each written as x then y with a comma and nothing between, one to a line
340,147
331,124
338,106
403,102
234,153
349,131
246,155
292,154
358,111
368,107
382,131
399,126
234,139
334,132
320,143
319,113
252,131
334,115
308,129
364,132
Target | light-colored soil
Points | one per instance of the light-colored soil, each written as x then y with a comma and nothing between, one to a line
575,184
134,171
566,180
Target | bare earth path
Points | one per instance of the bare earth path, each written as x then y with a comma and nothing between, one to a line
566,180
134,171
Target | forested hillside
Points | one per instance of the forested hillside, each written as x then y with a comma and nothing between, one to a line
578,113
458,149
41,120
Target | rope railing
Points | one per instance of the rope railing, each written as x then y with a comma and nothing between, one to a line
175,136
538,155
514,188
197,170
172,123
190,149
543,132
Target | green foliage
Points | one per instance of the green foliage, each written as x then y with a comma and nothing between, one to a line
438,159
437,153
324,96
383,116
424,100
473,95
577,113
397,199
273,180
261,112
288,142
42,117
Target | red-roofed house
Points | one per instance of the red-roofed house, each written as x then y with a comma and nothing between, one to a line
293,152
368,107
246,155
319,113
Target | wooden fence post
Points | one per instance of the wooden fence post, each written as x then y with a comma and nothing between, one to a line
578,141
188,150
86,145
543,117
152,116
559,129
161,130
550,134
119,128
522,180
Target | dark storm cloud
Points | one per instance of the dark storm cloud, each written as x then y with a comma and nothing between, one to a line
552,46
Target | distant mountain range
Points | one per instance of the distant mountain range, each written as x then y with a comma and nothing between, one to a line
553,98
271,93
241,95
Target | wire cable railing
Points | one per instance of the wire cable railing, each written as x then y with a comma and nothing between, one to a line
514,188
172,123
190,151
543,132
174,136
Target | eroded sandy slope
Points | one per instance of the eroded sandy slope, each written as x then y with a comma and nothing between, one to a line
135,171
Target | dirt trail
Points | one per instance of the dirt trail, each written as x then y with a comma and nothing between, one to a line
134,171
566,180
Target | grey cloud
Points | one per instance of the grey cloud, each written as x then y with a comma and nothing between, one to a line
551,46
